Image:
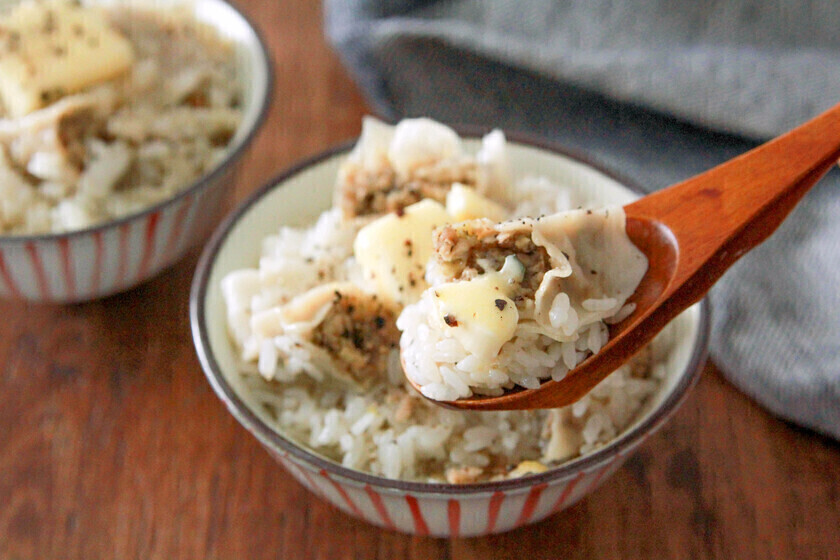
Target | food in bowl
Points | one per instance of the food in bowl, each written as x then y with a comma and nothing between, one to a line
320,293
519,301
107,110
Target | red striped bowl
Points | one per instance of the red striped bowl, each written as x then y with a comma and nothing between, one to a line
115,256
296,198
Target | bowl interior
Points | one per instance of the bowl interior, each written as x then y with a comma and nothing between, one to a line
252,64
251,59
253,73
298,199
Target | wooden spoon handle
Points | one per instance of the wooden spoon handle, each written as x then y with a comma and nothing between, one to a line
692,233
721,214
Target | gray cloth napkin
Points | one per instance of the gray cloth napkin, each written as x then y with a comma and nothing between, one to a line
658,91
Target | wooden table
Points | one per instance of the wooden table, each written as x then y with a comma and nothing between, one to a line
112,444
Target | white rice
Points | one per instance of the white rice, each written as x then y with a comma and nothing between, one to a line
526,359
146,135
392,431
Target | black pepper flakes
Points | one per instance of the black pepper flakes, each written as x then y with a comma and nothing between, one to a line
49,22
450,320
14,41
48,96
379,321
358,339
501,304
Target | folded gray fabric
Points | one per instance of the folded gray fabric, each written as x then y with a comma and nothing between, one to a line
657,91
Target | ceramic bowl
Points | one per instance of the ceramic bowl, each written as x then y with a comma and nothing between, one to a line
295,198
114,256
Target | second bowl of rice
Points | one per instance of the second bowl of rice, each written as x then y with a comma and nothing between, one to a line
119,148
383,452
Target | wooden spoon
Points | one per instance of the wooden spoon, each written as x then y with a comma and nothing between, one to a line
692,232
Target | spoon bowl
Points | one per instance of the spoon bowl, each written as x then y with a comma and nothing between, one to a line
691,233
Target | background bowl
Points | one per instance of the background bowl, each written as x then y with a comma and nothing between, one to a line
296,198
111,257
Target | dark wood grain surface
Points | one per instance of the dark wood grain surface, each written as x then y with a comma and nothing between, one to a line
112,444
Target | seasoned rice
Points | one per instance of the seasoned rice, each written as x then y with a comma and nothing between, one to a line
389,429
123,145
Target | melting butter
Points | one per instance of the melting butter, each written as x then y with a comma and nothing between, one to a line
479,313
394,249
464,203
50,49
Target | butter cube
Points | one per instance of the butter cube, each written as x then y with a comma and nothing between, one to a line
393,250
54,48
464,203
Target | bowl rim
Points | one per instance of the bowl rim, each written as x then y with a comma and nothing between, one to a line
267,435
220,168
